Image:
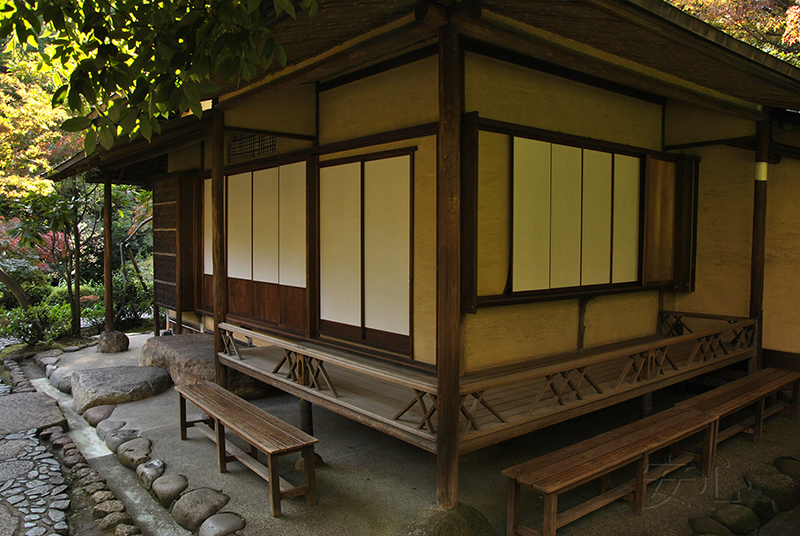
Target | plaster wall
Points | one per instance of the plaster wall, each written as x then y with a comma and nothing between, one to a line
687,123
424,247
186,159
291,110
724,234
515,94
404,97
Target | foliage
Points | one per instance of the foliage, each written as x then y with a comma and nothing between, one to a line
131,301
36,323
771,25
94,314
132,62
59,294
31,140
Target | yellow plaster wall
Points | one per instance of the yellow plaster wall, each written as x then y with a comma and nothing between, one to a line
507,92
289,110
782,273
502,335
494,212
424,276
686,123
620,317
186,159
724,234
403,97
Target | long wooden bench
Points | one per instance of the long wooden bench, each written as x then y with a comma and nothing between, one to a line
597,457
262,432
753,389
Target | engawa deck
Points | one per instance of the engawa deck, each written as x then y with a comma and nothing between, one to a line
498,404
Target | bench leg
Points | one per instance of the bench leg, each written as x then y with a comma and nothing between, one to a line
222,455
274,484
640,496
311,478
550,514
182,415
709,448
795,411
758,425
512,516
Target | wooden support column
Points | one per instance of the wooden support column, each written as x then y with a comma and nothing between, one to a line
107,278
178,255
448,263
759,232
218,237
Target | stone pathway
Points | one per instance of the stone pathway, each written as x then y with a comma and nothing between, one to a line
34,492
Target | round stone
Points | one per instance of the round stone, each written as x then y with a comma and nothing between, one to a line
134,453
192,508
149,471
221,525
167,488
114,519
739,519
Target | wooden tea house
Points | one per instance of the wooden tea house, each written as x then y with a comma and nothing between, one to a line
461,222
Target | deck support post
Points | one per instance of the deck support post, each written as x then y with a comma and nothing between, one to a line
107,277
448,262
759,233
218,237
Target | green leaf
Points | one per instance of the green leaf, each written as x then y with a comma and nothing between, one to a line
60,95
106,138
280,54
252,5
144,128
90,141
76,124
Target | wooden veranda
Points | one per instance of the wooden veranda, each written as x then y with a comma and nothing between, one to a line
498,404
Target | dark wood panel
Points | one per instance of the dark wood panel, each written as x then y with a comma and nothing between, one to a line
164,242
165,190
335,329
659,222
165,216
267,302
390,341
240,296
186,241
294,307
686,222
208,291
164,267
782,360
164,293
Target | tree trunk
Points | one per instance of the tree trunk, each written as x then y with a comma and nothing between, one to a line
76,305
15,289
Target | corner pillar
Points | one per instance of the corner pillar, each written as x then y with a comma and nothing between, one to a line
759,232
218,237
448,261
107,277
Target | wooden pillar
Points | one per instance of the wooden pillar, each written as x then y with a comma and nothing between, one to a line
107,277
218,236
448,272
178,255
759,232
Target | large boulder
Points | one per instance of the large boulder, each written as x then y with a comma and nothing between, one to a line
196,506
112,342
190,359
116,385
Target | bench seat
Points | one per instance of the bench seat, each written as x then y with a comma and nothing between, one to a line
597,457
262,432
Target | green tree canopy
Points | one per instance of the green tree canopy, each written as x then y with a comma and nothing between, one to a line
133,62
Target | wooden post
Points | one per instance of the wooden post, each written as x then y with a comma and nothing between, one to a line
759,232
218,237
108,287
448,272
178,254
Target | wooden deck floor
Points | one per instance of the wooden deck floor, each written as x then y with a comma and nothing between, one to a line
497,405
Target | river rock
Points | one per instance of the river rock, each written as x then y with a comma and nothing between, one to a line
61,379
98,413
48,357
112,342
168,488
221,525
107,507
104,427
706,525
758,501
118,437
782,488
134,453
148,472
788,466
739,519
114,519
192,508
784,524
116,385
189,359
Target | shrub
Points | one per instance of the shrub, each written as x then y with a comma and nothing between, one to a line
131,301
94,314
37,323
59,294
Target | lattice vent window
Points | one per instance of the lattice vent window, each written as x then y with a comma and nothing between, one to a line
245,146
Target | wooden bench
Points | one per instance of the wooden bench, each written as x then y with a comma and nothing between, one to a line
750,390
259,429
597,457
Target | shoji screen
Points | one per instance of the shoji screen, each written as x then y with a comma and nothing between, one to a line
240,226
